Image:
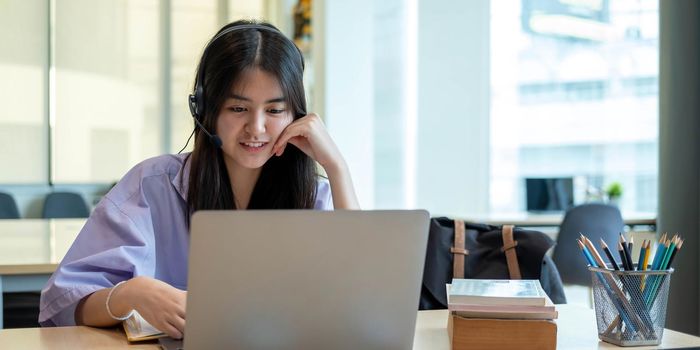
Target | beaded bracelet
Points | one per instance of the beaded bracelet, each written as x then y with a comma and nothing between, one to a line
109,296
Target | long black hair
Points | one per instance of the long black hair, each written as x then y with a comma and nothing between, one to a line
286,182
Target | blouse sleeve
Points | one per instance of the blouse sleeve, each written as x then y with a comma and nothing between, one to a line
110,248
324,197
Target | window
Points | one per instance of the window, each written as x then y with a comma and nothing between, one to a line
575,90
193,23
23,91
106,107
93,76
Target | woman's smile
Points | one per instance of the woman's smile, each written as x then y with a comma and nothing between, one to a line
253,147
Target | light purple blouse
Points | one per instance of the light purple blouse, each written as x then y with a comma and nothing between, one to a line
138,229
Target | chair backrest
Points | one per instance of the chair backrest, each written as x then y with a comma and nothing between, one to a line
8,207
596,221
65,205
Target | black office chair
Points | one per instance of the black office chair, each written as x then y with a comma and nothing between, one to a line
596,221
8,207
65,205
20,310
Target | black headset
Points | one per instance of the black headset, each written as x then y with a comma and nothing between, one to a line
196,98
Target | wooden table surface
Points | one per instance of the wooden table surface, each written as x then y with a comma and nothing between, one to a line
576,330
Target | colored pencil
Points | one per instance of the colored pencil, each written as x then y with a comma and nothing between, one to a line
628,255
642,252
653,289
659,253
586,254
668,253
673,255
616,295
655,262
621,251
646,254
594,252
645,264
655,283
609,254
619,304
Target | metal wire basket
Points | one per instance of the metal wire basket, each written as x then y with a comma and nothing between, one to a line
630,306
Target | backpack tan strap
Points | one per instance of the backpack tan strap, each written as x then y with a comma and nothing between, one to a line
458,250
509,248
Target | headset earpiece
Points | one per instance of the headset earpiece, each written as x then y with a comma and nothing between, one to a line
199,98
192,102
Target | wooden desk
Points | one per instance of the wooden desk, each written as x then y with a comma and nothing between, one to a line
577,330
30,250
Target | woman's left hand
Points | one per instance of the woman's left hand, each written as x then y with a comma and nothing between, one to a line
309,134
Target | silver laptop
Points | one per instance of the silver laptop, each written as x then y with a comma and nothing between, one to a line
293,279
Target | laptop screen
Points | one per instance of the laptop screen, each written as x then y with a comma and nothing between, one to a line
549,194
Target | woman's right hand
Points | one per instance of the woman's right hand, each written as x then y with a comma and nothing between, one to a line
159,303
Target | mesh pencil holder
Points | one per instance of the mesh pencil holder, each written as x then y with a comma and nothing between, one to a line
630,306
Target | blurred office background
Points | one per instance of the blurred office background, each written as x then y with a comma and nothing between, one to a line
444,105
479,96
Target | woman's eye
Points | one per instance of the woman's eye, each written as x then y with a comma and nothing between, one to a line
236,109
276,111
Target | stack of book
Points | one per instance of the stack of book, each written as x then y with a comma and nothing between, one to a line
503,314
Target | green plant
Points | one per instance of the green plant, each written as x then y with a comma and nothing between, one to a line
614,190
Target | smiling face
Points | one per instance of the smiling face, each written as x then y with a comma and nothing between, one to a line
251,119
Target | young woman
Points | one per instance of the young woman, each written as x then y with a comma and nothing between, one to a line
255,148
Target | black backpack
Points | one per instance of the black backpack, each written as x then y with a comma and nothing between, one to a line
485,252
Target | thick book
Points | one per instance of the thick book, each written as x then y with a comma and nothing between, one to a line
479,333
497,292
138,329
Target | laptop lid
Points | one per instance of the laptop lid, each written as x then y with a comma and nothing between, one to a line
301,279
549,194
